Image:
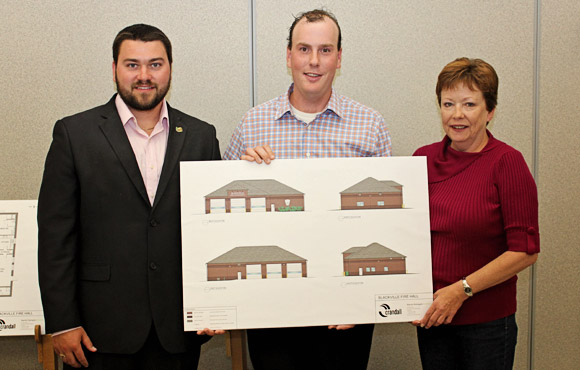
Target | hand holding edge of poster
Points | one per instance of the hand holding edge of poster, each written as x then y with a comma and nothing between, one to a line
305,242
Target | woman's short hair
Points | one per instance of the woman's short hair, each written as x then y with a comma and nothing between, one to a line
475,74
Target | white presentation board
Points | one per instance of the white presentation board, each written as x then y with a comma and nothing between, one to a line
20,305
305,242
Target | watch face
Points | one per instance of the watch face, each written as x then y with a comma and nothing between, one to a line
466,288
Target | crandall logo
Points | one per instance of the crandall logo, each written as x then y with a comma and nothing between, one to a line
386,311
3,325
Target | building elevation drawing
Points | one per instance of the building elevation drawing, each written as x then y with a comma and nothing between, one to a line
254,196
374,259
256,262
372,194
8,223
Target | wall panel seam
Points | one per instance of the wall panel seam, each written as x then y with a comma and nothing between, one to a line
252,53
535,170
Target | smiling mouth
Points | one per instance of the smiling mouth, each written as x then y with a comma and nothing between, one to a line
312,74
458,127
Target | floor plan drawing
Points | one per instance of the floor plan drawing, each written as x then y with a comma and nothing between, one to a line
8,223
20,305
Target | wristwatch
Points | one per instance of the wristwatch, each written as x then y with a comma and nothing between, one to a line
466,288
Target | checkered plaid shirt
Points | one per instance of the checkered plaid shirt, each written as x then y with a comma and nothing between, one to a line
344,129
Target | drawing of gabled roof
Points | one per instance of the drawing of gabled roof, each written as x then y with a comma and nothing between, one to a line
372,185
372,251
255,188
257,254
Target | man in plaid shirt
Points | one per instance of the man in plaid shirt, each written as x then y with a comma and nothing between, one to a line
311,121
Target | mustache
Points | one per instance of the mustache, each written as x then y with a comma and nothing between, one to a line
144,82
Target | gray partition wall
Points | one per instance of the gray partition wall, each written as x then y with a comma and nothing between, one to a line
57,61
557,320
392,54
229,55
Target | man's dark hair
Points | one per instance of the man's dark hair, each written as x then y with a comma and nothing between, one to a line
141,32
316,15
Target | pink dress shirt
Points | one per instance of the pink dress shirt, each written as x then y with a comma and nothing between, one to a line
149,149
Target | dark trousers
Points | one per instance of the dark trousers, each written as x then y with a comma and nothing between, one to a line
151,356
490,346
310,348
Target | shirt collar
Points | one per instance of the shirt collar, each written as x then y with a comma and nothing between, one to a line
126,115
333,104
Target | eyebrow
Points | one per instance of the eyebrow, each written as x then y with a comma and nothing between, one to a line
321,46
158,59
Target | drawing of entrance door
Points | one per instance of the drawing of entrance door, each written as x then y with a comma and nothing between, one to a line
258,204
294,270
237,205
273,271
217,205
252,272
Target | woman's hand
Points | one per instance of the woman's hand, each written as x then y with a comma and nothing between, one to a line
341,327
446,302
210,332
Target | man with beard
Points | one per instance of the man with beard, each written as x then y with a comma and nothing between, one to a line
109,219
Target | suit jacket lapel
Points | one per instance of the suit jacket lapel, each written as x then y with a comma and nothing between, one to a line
177,133
113,130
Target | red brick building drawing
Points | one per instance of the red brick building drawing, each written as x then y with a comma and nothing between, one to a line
374,259
256,262
372,194
254,196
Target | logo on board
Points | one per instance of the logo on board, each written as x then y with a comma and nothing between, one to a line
386,311
4,326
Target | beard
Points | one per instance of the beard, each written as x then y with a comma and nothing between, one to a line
143,102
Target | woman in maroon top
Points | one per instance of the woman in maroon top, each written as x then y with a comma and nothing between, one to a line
484,227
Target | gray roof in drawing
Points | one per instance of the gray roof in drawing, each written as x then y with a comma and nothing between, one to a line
257,254
372,185
374,250
255,188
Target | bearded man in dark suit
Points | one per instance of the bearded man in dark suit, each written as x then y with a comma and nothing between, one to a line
109,219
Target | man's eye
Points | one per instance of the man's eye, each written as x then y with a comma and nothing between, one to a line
132,65
155,65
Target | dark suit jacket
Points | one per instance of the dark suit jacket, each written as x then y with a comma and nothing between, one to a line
109,260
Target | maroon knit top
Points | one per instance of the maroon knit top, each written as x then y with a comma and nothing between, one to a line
481,205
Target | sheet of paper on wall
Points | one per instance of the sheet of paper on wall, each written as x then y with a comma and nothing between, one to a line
20,305
305,242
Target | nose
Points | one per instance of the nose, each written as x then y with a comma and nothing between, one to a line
144,74
458,112
314,59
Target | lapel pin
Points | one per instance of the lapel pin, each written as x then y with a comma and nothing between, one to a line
179,129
